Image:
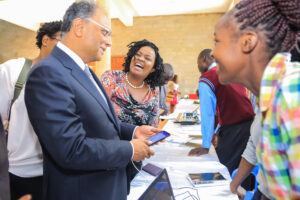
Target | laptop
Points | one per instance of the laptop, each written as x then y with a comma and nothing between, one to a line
160,188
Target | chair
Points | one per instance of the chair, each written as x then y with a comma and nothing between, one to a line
254,172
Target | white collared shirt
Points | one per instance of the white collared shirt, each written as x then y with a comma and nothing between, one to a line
24,150
81,64
72,54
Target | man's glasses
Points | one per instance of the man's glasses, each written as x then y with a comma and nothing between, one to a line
106,32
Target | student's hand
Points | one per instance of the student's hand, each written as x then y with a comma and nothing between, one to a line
144,132
198,151
241,192
233,187
141,149
214,140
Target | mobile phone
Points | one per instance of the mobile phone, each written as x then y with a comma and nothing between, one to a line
152,169
158,137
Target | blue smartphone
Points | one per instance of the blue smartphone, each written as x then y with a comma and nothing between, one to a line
158,137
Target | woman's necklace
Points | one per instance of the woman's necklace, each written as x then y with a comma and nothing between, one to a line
136,87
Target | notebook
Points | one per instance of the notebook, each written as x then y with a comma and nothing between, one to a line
160,188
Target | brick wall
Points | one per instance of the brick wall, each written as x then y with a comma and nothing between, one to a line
180,39
16,41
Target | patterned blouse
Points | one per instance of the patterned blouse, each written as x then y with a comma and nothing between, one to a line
126,107
278,152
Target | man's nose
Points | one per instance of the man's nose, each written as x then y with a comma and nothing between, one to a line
108,42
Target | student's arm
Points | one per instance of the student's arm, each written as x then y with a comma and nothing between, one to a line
208,110
244,170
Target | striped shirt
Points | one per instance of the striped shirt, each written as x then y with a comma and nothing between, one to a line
278,152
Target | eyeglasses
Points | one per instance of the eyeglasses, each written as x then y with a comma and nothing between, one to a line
55,38
106,32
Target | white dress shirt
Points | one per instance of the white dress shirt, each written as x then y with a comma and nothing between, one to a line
81,64
24,150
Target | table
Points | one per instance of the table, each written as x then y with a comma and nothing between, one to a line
172,155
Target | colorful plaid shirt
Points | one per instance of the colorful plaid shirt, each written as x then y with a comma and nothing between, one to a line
278,152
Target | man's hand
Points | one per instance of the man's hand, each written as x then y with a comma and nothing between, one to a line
141,149
198,151
214,140
144,132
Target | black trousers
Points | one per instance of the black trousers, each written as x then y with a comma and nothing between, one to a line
20,186
258,195
232,141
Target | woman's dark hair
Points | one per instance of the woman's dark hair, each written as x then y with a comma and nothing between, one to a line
280,19
155,78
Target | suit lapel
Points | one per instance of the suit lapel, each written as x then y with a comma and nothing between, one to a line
84,80
112,109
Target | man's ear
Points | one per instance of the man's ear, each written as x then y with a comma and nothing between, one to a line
249,41
45,40
204,59
78,27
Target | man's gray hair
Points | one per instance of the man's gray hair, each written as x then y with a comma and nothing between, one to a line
81,9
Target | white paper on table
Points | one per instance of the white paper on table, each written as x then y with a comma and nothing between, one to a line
178,139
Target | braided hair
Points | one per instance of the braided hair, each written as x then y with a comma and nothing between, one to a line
154,78
278,19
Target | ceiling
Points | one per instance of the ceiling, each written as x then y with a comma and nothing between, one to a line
30,13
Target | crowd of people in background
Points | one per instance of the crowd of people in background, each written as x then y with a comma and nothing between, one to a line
70,135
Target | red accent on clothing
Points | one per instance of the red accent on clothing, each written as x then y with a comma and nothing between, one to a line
175,98
232,100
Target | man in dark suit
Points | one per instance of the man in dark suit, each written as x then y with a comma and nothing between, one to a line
86,149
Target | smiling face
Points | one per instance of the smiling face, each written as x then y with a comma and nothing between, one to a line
142,62
227,52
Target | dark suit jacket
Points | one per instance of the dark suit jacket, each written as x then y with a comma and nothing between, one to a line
4,183
85,147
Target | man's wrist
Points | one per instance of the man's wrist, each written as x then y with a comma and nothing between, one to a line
133,134
205,146
132,150
205,149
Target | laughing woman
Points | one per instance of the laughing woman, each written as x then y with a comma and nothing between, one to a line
133,91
